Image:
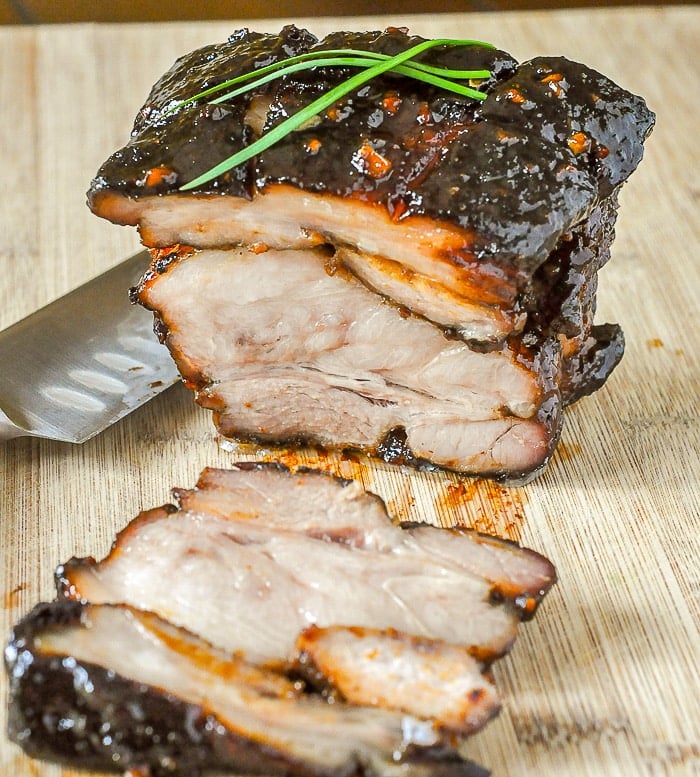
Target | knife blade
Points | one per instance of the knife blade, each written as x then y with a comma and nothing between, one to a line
78,365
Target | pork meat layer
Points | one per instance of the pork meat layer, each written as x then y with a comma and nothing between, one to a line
262,553
429,679
290,351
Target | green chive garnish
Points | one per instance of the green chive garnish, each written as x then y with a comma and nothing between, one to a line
365,62
278,69
373,65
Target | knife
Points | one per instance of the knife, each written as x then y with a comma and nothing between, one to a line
81,363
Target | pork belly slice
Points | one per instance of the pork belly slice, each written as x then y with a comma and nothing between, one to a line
321,505
435,300
426,678
422,264
289,351
262,553
109,687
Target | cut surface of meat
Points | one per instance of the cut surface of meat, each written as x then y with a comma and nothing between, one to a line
287,351
109,687
483,222
284,217
285,551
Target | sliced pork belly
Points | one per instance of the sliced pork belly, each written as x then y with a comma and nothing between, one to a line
109,687
275,623
426,678
404,260
486,220
288,351
262,553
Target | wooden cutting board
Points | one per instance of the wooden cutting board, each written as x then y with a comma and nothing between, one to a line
606,680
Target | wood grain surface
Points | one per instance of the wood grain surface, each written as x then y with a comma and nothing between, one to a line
606,680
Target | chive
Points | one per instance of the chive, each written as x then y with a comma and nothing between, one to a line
415,73
313,55
321,103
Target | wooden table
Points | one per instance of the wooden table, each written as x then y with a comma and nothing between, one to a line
606,680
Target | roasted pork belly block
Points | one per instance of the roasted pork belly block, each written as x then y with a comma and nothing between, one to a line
290,351
109,687
487,220
262,553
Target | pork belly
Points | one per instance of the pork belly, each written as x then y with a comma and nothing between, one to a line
487,221
109,687
277,623
289,351
263,553
429,679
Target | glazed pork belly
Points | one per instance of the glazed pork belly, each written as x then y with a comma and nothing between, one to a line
264,553
273,622
109,687
472,231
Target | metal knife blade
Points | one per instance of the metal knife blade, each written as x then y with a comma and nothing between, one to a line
84,361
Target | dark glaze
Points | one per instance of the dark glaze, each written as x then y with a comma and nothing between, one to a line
591,365
120,724
145,727
516,172
560,302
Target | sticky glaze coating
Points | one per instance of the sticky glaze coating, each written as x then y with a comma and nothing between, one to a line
516,172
